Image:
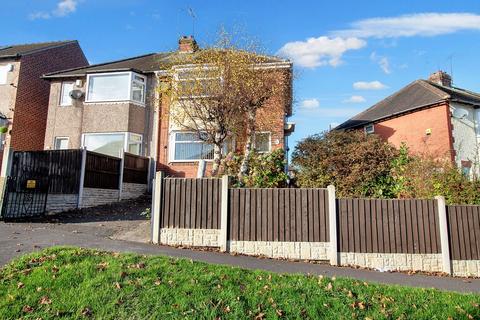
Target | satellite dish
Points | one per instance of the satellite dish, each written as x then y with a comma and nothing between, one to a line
76,94
460,113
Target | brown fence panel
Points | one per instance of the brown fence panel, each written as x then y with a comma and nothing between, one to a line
135,169
191,203
464,231
388,226
102,171
278,215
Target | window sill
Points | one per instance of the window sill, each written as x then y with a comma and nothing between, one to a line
115,102
188,161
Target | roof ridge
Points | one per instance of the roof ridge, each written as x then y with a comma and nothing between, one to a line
434,89
36,43
98,64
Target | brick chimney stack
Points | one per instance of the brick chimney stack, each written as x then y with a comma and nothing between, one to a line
441,78
187,44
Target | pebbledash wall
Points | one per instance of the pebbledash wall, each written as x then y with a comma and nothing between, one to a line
311,224
93,197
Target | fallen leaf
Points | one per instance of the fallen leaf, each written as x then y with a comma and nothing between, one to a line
27,309
260,316
117,285
45,300
20,285
87,312
329,286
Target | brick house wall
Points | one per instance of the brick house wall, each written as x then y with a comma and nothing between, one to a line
411,128
31,105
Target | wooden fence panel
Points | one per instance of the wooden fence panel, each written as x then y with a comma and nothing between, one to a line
388,226
63,168
464,231
102,171
191,203
278,215
135,169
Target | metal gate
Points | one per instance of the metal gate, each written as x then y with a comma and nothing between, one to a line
27,186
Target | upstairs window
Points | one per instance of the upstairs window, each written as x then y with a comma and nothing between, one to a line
111,87
477,121
263,142
65,99
4,70
197,82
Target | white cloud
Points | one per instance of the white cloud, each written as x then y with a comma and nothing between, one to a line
321,51
372,85
382,61
63,9
355,99
310,103
419,24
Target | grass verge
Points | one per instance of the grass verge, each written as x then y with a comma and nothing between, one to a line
66,282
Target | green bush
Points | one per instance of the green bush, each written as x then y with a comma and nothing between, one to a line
360,165
266,170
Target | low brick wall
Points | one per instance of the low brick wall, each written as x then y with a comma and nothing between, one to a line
133,190
190,237
284,250
393,261
466,268
61,202
96,197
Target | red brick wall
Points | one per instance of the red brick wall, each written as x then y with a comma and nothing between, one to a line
270,118
411,129
31,106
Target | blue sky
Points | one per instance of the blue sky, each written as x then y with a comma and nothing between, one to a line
348,55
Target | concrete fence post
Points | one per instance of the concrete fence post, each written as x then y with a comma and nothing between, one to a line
120,178
223,239
82,177
332,221
445,244
156,206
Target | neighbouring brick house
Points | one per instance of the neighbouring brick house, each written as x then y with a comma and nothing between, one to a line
118,107
24,94
431,117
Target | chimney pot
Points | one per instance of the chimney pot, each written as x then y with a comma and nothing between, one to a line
187,44
441,78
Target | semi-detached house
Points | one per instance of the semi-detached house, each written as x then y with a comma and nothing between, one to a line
117,106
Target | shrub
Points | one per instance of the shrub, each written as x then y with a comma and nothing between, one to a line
266,170
357,164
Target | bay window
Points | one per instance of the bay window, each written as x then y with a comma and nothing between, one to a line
113,144
187,146
477,120
121,86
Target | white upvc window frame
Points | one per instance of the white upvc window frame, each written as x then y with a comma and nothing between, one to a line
177,80
126,138
171,148
62,88
130,82
58,138
477,121
367,131
269,142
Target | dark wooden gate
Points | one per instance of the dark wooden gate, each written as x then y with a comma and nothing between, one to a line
27,186
35,174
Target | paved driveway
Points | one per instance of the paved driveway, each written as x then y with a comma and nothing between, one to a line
102,229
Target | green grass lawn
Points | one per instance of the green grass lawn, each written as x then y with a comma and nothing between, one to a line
79,283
